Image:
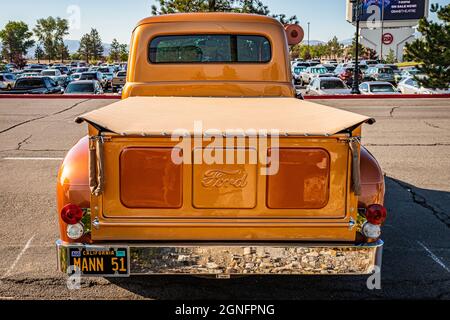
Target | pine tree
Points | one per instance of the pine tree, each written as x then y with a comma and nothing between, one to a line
123,55
85,47
335,48
39,53
391,58
96,44
114,53
432,49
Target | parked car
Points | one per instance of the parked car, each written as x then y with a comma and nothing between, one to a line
377,87
84,87
76,76
346,74
29,74
36,85
411,86
327,86
56,75
7,81
30,70
108,75
94,76
332,62
409,73
330,68
63,69
380,73
119,80
369,62
81,70
297,70
126,191
313,72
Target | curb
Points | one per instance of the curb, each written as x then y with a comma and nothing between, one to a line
329,97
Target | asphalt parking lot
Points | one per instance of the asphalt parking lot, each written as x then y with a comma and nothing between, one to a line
411,139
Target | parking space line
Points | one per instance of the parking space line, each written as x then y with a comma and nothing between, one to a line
18,258
434,257
33,159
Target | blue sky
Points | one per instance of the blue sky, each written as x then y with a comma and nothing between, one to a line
116,19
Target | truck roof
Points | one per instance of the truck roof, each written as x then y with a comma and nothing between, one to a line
208,17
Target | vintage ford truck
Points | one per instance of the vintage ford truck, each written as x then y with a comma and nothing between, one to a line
210,165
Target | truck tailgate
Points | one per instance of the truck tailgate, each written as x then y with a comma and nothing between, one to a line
146,195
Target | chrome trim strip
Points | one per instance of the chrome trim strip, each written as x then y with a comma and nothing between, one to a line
228,259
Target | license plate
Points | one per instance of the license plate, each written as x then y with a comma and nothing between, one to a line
102,262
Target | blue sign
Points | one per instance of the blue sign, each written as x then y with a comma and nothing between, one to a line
393,10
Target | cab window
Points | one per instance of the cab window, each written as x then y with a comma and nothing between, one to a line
210,49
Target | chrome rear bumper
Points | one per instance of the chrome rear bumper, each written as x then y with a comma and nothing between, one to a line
244,259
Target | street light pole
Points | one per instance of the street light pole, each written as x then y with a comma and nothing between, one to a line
355,86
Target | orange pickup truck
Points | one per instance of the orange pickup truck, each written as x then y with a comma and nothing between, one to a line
210,165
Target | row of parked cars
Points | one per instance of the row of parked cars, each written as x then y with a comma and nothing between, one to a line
331,77
78,78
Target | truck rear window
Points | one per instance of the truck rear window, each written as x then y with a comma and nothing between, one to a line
210,49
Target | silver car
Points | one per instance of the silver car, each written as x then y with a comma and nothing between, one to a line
7,81
313,72
411,86
327,86
377,87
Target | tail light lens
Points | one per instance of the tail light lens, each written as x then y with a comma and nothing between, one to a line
376,214
71,214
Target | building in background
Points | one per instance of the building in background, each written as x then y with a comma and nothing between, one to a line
388,25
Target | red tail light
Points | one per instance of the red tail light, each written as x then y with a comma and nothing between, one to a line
376,214
71,214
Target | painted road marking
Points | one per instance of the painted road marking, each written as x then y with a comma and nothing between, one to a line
434,257
18,258
33,159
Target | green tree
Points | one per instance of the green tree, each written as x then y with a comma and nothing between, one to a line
51,32
114,53
75,56
91,46
432,49
62,30
239,6
353,48
63,51
39,53
123,53
85,47
16,39
391,58
335,48
96,44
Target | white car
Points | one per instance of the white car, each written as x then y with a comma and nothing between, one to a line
313,72
29,74
55,75
411,86
7,81
327,86
377,87
76,76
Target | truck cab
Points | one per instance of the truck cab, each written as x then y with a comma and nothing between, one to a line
210,166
